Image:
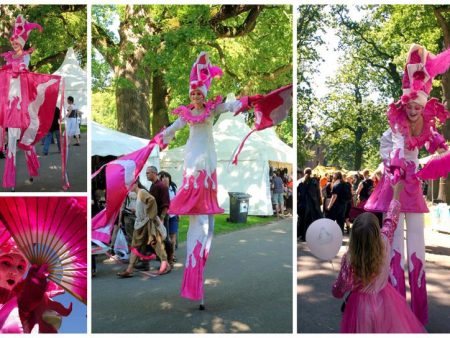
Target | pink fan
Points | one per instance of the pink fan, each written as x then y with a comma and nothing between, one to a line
438,166
52,231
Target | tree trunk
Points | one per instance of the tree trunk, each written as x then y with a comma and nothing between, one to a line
159,105
132,78
133,115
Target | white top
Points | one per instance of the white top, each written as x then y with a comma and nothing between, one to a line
200,153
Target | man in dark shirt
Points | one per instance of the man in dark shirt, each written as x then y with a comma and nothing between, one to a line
54,130
161,194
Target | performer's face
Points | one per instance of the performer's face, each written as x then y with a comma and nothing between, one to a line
12,268
17,47
197,97
413,111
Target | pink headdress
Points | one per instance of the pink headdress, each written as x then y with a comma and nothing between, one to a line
202,73
10,247
22,29
420,70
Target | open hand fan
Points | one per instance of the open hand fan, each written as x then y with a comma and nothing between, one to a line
438,166
52,231
4,235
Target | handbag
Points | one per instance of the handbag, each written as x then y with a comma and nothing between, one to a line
161,228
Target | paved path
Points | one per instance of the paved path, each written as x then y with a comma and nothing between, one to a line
248,289
319,312
50,179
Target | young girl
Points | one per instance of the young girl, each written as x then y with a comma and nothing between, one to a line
373,305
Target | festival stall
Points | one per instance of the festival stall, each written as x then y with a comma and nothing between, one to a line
75,83
107,143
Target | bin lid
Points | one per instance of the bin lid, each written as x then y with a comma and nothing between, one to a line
239,195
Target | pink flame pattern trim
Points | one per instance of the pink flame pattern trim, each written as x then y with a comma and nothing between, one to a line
419,303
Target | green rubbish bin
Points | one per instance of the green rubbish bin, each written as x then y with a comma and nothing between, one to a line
238,207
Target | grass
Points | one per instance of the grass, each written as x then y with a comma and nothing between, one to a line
83,128
221,226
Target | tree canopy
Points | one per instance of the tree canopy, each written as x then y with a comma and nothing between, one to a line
151,53
373,42
64,26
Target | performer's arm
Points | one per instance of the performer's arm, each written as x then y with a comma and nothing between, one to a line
169,132
391,219
436,143
344,282
236,106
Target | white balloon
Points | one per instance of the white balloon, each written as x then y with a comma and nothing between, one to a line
324,238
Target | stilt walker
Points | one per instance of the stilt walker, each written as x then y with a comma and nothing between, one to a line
197,196
412,123
28,101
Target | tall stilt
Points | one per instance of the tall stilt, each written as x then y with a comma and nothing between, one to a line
202,304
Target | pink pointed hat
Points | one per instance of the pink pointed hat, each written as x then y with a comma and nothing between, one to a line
202,73
420,70
22,29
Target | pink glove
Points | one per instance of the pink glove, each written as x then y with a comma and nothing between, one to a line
33,290
159,139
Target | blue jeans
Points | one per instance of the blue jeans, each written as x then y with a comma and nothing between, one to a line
48,140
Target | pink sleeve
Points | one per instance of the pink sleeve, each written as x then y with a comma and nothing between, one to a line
436,141
391,220
344,282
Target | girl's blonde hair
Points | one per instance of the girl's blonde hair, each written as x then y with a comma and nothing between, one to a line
366,248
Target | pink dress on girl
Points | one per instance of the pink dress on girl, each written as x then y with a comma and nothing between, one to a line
376,307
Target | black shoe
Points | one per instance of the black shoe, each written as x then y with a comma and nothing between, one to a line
142,266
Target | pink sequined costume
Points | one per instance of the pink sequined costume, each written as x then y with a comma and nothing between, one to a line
399,151
197,195
376,307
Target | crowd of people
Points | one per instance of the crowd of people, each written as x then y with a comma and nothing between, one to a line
281,188
336,196
150,231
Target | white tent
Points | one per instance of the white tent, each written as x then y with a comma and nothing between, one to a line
251,175
75,83
108,142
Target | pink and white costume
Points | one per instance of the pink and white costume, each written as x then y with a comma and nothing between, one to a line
197,195
399,151
22,123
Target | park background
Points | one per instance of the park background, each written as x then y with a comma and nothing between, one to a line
350,63
350,66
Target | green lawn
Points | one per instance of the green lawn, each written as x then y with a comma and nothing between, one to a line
221,226
83,128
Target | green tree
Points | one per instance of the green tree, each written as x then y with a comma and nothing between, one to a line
64,26
311,24
380,41
352,119
156,46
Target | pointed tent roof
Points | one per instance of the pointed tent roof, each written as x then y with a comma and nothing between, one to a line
75,81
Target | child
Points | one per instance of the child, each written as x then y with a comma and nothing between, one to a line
373,305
